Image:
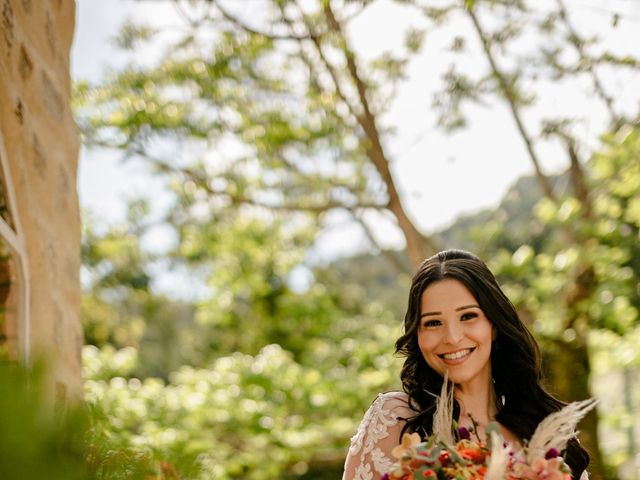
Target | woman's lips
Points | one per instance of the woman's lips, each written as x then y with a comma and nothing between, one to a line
459,356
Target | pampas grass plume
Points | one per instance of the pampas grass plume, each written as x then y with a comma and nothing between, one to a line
558,428
443,416
499,459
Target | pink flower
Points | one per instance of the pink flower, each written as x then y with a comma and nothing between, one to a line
522,470
544,469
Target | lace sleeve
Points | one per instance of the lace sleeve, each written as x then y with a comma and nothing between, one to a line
370,452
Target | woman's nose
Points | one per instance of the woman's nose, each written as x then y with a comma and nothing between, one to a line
453,333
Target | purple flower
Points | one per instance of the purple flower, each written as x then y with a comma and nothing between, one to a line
385,476
552,453
464,433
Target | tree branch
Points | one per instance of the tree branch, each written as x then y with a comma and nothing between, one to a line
316,41
576,172
388,254
616,120
418,246
239,23
507,92
202,182
578,179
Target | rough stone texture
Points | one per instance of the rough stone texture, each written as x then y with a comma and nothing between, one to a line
42,143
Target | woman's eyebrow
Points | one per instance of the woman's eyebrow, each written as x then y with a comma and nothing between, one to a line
440,313
466,306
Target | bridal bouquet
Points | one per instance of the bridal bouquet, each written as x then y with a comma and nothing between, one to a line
443,457
469,459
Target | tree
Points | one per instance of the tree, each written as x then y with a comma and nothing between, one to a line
282,116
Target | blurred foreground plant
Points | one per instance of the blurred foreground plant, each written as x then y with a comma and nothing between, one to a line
43,440
36,439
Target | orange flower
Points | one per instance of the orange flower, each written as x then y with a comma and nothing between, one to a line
480,473
472,454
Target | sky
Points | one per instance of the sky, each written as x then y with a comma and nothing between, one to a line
440,176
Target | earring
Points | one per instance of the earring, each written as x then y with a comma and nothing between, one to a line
503,400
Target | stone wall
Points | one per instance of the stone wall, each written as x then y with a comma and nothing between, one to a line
41,143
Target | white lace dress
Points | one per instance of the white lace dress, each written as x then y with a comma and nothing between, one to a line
379,432
370,452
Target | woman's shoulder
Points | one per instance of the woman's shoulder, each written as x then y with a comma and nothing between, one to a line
393,401
393,395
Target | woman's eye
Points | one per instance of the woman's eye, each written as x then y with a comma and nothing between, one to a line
468,316
431,323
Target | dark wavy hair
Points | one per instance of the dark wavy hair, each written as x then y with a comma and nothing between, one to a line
515,356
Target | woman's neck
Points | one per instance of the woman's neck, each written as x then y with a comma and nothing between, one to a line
477,400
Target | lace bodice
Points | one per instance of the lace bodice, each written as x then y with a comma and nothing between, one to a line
379,432
370,452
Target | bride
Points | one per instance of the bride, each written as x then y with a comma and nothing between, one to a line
459,322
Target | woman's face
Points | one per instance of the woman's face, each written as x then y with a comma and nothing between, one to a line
454,334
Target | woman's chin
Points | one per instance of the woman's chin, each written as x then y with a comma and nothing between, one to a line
461,376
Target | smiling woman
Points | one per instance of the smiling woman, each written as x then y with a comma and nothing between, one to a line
454,334
459,323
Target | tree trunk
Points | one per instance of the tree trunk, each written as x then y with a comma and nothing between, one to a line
574,357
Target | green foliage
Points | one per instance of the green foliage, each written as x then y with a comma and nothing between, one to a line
277,375
533,52
237,88
255,417
115,272
612,245
132,34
